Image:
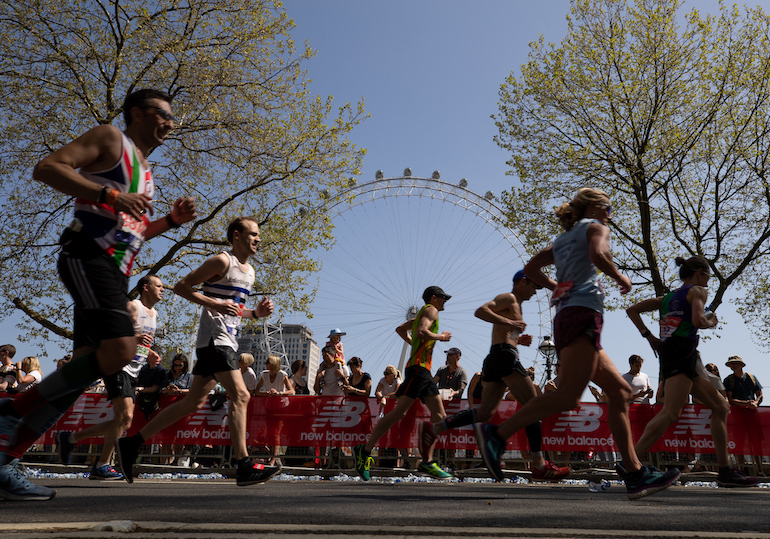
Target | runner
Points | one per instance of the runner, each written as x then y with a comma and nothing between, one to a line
106,171
418,384
121,386
227,279
682,313
578,297
502,369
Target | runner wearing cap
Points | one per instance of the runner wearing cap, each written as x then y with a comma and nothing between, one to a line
421,333
502,368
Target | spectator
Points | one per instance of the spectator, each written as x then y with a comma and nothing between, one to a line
245,361
8,374
273,381
388,384
359,382
331,375
178,383
32,374
335,337
743,389
641,390
63,361
179,377
299,377
451,377
715,380
7,351
149,383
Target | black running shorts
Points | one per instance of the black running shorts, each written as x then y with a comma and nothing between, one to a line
213,359
99,289
121,384
502,361
418,384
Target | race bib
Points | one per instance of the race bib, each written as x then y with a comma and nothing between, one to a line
668,326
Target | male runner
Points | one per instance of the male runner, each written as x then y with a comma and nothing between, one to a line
106,171
121,386
418,383
502,368
227,279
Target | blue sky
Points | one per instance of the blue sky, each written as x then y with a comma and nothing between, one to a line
429,72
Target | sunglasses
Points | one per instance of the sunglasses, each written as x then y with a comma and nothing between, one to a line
163,113
606,207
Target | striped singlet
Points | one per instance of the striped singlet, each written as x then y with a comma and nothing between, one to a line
117,233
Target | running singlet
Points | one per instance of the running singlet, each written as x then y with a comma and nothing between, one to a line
234,287
117,233
676,315
422,351
144,323
578,278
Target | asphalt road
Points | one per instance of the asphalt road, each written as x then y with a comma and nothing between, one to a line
336,508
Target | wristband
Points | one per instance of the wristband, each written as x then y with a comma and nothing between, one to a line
170,221
646,333
102,195
112,197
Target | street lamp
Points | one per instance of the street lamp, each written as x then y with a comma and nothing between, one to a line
548,349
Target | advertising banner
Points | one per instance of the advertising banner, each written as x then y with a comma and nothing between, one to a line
347,421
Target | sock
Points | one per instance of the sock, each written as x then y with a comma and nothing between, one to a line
460,419
534,436
100,464
76,375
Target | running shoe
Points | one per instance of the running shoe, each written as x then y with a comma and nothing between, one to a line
8,424
425,438
491,447
105,473
551,472
126,453
64,447
647,481
250,473
434,470
14,484
363,462
733,477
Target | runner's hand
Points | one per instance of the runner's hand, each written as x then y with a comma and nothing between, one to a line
184,210
134,204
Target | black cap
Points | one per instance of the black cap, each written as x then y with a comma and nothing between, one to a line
434,291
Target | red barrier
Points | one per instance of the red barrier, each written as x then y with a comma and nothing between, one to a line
347,421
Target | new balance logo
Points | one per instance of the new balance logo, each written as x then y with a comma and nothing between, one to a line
90,409
694,422
205,416
340,415
584,419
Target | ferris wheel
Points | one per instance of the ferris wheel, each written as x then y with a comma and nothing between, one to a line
397,236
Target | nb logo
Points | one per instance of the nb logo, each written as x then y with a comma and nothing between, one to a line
584,419
694,422
340,415
91,409
205,416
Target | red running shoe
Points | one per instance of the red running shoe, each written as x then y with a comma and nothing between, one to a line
425,438
551,472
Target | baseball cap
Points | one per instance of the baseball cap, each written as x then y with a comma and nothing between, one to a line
453,350
434,291
519,275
